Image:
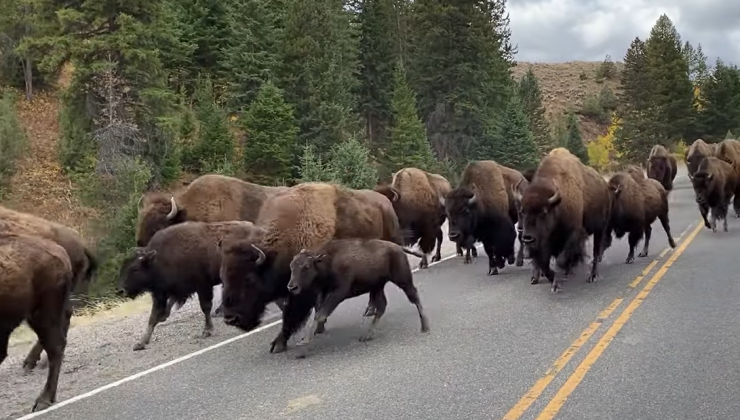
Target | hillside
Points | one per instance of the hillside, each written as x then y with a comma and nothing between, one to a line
567,85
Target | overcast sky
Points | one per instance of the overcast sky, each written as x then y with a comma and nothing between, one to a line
567,30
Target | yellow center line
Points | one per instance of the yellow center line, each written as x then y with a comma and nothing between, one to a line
557,402
644,273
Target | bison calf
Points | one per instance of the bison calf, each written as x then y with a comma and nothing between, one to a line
179,261
714,183
345,268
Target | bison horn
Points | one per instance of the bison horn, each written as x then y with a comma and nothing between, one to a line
172,212
138,203
442,201
619,188
473,199
262,256
395,194
554,199
515,190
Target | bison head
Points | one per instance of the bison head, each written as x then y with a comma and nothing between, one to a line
246,292
702,181
387,190
303,270
159,213
136,273
657,167
538,210
461,206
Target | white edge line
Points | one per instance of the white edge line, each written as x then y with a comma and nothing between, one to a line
176,361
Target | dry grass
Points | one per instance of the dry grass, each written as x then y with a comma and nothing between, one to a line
562,88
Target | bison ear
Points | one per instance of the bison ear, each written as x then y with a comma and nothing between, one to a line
147,255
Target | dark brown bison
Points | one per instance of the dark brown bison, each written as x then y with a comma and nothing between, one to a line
729,151
479,210
661,166
345,268
714,183
416,201
209,198
565,203
35,285
83,259
512,177
256,271
693,156
635,206
178,261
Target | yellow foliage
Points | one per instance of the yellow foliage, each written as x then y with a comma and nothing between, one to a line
680,149
697,95
601,151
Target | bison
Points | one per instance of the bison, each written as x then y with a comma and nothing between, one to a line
693,156
35,285
256,271
636,205
661,166
729,151
345,268
179,261
83,259
565,203
714,183
479,209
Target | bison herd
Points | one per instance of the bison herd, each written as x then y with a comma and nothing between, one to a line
311,246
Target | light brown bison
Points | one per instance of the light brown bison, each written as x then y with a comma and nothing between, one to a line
565,203
256,271
35,285
714,183
729,151
479,210
345,268
661,166
636,203
178,261
693,156
636,173
83,259
209,198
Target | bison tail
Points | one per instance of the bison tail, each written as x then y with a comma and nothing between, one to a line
92,266
414,253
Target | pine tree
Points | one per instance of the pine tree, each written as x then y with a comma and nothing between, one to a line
271,135
634,81
350,165
407,145
214,147
514,144
531,97
574,141
697,61
720,102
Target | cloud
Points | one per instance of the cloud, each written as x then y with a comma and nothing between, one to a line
566,30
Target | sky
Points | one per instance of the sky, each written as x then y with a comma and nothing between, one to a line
587,30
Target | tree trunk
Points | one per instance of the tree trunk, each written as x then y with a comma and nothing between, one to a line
28,77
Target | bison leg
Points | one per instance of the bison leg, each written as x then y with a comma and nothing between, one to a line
381,303
297,310
520,254
205,298
713,220
704,211
736,203
34,355
330,303
492,266
459,250
597,251
412,294
646,245
4,339
158,314
667,228
474,251
219,312
49,326
438,254
633,239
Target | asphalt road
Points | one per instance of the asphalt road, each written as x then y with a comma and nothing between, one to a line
656,339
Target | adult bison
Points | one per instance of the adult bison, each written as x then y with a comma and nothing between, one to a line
714,183
565,203
256,271
35,285
694,155
479,210
729,151
661,166
178,261
416,200
636,205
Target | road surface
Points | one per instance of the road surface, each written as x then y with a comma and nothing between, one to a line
656,339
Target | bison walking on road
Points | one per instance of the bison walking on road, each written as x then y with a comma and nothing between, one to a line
345,268
714,183
178,261
565,203
636,205
35,285
729,151
661,166
694,155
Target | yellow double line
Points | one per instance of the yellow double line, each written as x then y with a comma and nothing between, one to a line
557,402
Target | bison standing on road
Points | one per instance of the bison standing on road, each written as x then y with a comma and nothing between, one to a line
35,285
565,203
178,261
636,205
661,166
729,151
694,155
714,183
478,209
345,268
256,271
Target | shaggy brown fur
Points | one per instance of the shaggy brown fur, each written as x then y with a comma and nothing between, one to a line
729,151
661,166
478,210
35,285
346,268
209,198
179,261
564,204
636,205
693,156
636,173
512,178
83,259
714,182
308,215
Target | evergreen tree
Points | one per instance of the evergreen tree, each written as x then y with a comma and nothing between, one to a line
697,61
271,134
514,144
574,141
350,165
408,145
720,103
214,147
319,56
531,98
312,168
635,94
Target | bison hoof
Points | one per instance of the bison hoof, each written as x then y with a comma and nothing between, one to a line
320,328
459,253
206,333
474,251
439,258
366,338
643,254
277,346
369,311
41,405
534,280
423,265
139,346
492,271
554,287
519,262
630,260
467,260
28,366
593,278
510,260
